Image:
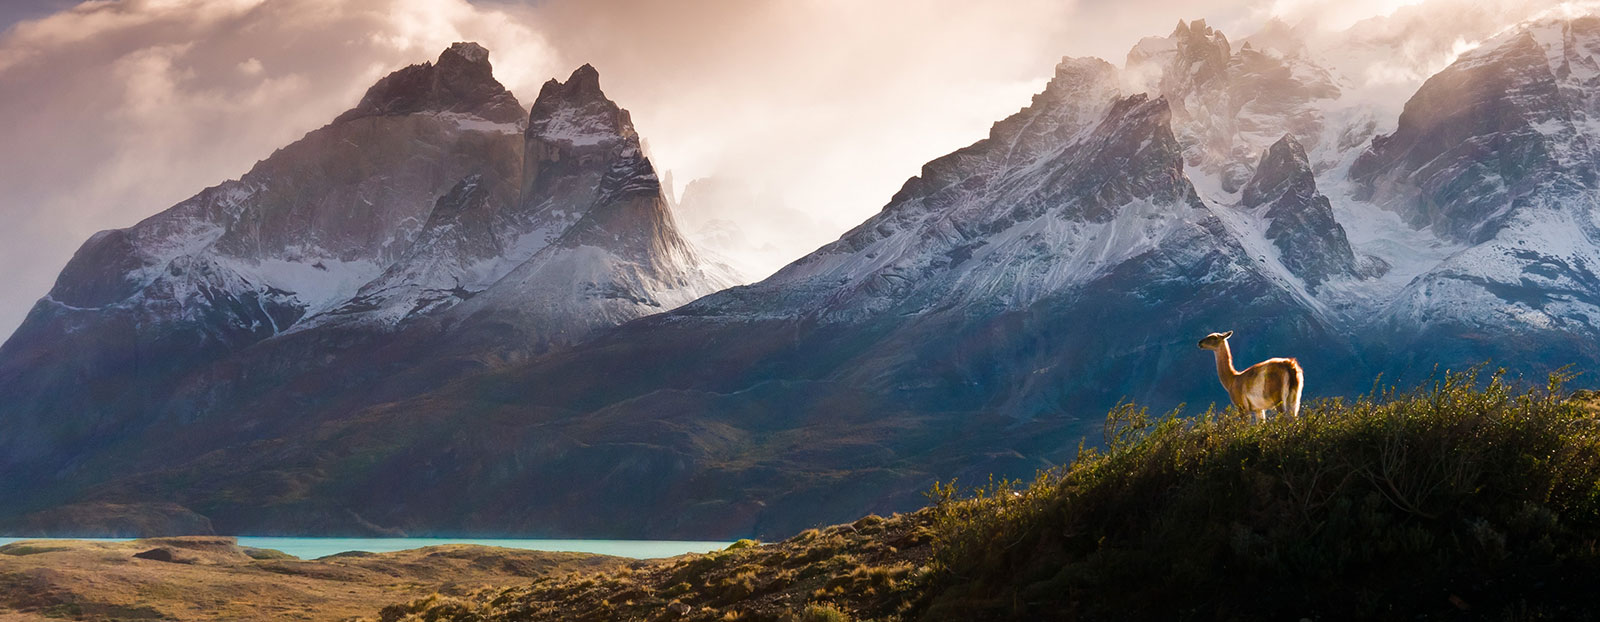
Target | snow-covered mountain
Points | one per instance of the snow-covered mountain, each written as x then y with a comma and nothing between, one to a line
433,212
1499,153
515,357
582,238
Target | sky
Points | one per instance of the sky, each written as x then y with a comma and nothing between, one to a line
799,118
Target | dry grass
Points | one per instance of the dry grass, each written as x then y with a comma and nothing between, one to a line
212,579
874,569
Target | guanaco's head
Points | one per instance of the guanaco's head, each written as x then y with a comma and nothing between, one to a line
1215,341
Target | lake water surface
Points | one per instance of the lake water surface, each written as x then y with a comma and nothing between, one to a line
312,548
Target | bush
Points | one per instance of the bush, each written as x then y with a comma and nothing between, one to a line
823,613
1460,496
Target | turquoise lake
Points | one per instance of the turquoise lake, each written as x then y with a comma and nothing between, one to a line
312,548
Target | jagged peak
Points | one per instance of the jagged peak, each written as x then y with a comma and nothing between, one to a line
577,113
1195,29
468,50
1282,167
585,78
461,81
1188,43
1300,219
1286,149
583,84
1072,76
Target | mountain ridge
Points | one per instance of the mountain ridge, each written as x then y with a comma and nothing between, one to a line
1060,265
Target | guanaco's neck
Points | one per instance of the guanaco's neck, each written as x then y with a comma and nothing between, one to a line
1225,370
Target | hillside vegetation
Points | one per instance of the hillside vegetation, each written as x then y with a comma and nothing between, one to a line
1459,500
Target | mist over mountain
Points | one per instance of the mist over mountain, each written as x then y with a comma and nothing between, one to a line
442,315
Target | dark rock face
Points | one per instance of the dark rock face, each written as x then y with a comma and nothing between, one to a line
1467,148
1498,154
461,81
98,273
1314,246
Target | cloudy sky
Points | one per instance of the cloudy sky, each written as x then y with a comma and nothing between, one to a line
816,111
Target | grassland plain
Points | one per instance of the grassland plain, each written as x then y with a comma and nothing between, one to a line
1467,498
212,578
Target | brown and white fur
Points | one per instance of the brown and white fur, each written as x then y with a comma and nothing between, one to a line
1270,383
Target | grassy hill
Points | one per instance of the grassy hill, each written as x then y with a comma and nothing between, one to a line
1459,500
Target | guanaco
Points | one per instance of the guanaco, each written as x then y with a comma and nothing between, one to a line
1270,383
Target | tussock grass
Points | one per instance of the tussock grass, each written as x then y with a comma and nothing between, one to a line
1458,499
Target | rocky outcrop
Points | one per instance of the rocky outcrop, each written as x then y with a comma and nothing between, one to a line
1300,220
1228,105
461,81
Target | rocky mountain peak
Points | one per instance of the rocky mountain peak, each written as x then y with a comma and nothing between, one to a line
1177,65
467,50
585,80
1202,43
576,114
1283,169
461,81
1300,219
1479,137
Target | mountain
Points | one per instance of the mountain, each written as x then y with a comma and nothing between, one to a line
971,327
582,238
1498,155
1311,243
522,365
1230,105
246,260
435,227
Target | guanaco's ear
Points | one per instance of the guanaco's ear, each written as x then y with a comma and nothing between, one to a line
1227,334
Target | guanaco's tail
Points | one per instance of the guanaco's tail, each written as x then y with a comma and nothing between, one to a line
1293,382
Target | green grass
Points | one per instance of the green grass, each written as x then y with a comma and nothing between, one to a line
1462,499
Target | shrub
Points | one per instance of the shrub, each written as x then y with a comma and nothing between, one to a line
1457,495
823,613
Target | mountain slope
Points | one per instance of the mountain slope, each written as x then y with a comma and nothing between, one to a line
404,244
1498,152
581,238
522,364
243,261
1013,285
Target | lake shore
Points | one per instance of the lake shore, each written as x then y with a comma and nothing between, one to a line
319,547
